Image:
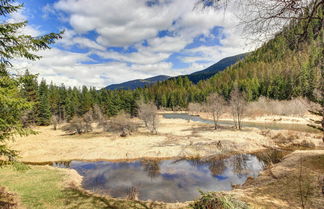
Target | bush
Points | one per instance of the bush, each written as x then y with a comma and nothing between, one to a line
210,200
121,123
148,113
77,126
296,107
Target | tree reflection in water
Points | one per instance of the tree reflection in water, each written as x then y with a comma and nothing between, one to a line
152,167
166,180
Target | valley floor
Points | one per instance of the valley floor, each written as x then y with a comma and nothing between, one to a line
47,187
176,138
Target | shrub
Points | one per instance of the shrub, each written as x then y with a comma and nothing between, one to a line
296,107
148,113
215,106
210,200
121,123
54,121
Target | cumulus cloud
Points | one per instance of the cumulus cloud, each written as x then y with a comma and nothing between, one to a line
19,16
156,31
60,66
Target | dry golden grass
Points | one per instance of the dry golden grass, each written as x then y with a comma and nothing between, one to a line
279,187
175,138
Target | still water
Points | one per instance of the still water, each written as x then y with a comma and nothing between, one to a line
166,180
272,126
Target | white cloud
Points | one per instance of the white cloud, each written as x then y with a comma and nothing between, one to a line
19,16
128,23
68,68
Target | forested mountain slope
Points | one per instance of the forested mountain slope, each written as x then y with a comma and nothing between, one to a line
289,65
194,77
138,83
215,68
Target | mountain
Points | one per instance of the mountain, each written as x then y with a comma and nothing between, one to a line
290,65
215,68
138,83
194,77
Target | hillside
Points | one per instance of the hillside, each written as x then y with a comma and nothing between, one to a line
285,67
194,77
138,83
215,68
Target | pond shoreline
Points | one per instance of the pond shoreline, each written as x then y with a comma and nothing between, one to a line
206,157
152,178
177,139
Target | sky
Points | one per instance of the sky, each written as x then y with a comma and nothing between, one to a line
113,41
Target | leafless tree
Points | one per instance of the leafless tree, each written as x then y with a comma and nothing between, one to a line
121,123
237,104
318,109
76,126
215,106
97,114
88,120
193,109
266,17
148,113
54,121
80,125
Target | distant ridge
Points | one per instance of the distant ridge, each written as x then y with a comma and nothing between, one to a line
194,77
138,83
215,68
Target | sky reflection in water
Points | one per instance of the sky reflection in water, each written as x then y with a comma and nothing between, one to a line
166,180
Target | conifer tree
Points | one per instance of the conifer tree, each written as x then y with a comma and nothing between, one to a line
43,107
29,87
13,45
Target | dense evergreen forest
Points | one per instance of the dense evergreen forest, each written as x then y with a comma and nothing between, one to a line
288,66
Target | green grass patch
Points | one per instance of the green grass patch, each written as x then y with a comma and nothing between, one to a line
40,187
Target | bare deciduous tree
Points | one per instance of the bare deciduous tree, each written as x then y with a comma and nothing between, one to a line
318,110
193,109
80,125
237,104
54,121
121,123
148,113
266,17
88,120
76,126
215,106
97,114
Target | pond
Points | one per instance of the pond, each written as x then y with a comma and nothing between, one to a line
272,126
166,180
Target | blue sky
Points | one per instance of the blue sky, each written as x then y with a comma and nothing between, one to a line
108,41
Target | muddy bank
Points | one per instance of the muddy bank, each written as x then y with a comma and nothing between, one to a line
282,185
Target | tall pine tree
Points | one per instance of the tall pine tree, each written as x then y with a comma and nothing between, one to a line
13,44
43,107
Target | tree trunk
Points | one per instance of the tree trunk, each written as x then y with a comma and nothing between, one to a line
215,122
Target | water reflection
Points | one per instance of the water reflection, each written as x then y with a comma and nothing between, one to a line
166,180
152,167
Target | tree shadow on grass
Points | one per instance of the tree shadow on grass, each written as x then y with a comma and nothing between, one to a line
78,198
